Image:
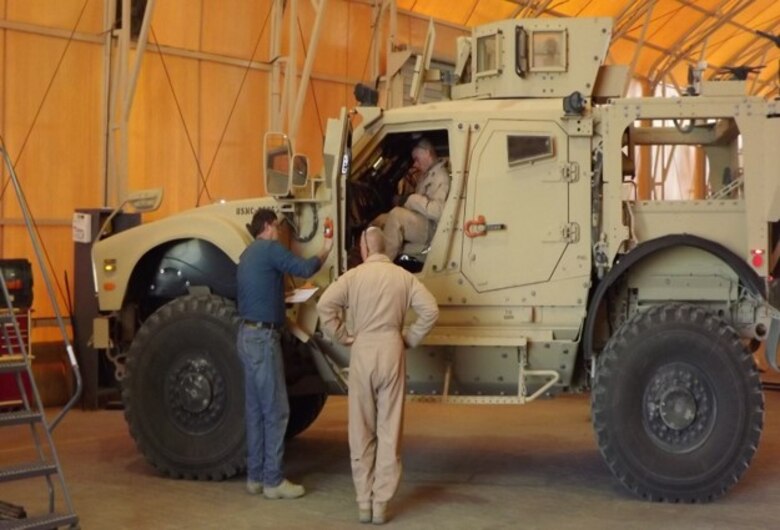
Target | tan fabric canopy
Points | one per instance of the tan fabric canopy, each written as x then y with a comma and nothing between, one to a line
658,38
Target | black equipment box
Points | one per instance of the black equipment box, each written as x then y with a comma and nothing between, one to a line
19,280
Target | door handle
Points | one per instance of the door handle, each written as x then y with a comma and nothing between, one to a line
479,227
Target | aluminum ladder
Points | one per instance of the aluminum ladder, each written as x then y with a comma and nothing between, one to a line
47,464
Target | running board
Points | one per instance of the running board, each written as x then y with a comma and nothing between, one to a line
521,398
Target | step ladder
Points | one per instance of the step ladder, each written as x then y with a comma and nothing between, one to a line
46,464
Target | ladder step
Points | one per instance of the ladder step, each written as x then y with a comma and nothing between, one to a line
50,520
17,418
28,470
12,363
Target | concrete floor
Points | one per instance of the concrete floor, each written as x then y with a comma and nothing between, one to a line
466,467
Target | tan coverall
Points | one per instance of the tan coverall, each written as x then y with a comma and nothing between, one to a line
377,295
416,220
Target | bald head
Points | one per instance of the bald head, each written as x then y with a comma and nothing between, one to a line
372,242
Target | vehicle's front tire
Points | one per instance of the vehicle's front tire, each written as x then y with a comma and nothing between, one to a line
304,409
677,405
184,389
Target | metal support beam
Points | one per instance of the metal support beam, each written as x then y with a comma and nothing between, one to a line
106,159
308,64
143,40
639,45
274,54
700,31
291,66
699,174
123,166
644,175
119,89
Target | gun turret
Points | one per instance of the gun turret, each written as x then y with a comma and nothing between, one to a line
540,58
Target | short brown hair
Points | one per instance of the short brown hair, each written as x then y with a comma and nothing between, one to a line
262,217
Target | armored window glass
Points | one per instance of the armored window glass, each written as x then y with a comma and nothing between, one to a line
548,51
521,149
487,55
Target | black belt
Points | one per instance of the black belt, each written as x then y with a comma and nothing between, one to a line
262,325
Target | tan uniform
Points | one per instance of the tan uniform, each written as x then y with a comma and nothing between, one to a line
377,295
416,220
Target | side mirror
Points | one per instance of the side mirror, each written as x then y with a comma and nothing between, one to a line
300,170
277,154
141,201
145,200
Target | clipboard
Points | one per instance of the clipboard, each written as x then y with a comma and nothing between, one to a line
300,295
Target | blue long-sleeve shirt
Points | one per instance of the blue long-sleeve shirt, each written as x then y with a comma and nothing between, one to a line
261,270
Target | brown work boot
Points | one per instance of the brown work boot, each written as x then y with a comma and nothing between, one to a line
285,490
364,512
379,513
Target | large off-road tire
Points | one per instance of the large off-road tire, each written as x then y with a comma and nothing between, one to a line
677,405
184,389
304,410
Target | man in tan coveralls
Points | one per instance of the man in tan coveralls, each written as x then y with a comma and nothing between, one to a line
415,216
378,295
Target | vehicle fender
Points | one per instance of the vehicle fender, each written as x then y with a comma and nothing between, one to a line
129,247
746,274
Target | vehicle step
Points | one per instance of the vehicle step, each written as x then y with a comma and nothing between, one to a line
50,520
26,470
19,417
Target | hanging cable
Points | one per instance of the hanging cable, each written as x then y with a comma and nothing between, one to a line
46,94
233,107
181,113
315,224
23,198
29,132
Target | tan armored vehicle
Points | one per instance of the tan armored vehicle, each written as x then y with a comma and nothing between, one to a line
550,276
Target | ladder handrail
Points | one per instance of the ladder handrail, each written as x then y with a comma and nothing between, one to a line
48,426
47,281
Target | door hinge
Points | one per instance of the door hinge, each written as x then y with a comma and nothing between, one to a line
570,232
570,172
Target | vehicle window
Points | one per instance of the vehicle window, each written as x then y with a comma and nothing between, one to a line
526,148
487,55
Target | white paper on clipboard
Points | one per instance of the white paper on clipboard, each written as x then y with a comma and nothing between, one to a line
299,296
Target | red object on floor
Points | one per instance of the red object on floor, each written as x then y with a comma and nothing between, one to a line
9,389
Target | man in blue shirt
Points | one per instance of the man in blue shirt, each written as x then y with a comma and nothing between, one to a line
261,271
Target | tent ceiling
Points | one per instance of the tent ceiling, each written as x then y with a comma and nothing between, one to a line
659,38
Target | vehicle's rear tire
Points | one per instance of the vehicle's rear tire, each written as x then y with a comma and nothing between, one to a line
677,405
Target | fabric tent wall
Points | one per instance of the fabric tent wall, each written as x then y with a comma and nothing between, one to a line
173,141
55,137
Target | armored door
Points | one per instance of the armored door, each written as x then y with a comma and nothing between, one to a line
517,208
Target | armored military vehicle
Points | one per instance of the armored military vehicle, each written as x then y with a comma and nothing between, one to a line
551,276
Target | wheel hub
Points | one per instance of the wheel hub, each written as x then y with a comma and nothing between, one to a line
679,407
195,393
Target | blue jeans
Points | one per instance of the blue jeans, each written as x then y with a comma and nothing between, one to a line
267,408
